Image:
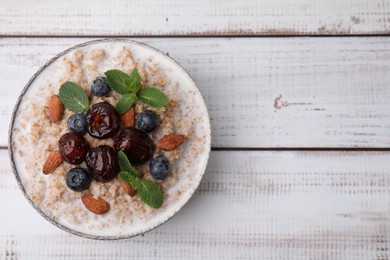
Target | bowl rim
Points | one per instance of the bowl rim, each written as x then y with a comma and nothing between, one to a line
27,86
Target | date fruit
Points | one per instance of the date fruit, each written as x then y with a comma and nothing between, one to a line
102,163
73,148
136,144
103,122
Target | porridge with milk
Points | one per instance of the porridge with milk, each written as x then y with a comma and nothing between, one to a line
110,138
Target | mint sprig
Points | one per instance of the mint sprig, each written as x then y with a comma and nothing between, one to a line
118,81
135,81
153,97
148,191
73,97
125,85
125,164
126,177
125,103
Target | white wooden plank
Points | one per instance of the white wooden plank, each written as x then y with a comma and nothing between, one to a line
202,17
261,92
250,205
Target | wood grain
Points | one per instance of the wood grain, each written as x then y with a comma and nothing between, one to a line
202,17
260,92
250,205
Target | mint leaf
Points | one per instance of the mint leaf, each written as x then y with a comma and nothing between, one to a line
153,97
118,81
125,164
73,97
134,81
125,103
126,177
123,83
148,191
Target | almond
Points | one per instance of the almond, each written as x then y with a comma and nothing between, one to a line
128,118
55,108
171,142
128,189
95,204
52,162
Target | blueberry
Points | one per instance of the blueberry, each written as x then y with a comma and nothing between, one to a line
77,179
100,87
147,121
77,123
160,167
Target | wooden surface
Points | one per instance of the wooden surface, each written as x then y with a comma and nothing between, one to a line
260,92
250,205
201,17
300,167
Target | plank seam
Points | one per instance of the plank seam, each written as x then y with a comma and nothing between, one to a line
200,36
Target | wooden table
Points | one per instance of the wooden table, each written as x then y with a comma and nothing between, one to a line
299,98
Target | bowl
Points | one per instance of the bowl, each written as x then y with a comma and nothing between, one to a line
32,136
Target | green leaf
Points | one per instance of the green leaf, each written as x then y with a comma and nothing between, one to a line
126,177
73,97
149,192
134,81
125,103
118,81
153,97
125,164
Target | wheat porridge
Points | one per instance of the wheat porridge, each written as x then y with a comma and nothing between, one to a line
165,131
